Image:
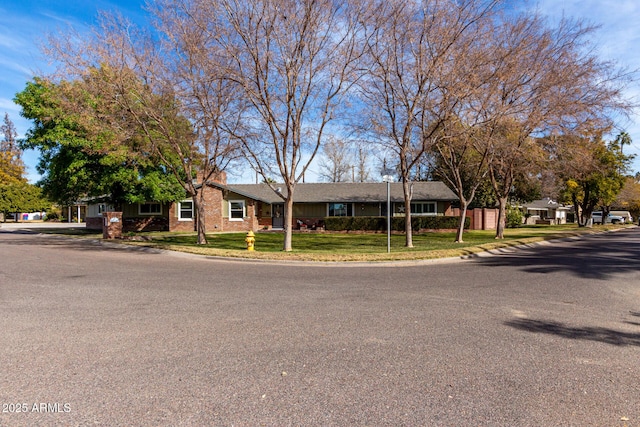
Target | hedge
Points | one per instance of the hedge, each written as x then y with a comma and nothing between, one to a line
376,223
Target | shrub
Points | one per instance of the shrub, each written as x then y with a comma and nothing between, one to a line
397,223
514,217
52,216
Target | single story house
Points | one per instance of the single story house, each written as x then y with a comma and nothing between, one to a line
244,207
546,211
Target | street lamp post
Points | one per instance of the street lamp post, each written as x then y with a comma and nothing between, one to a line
388,179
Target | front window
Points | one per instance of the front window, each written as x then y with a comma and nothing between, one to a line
236,210
423,208
340,209
185,210
149,208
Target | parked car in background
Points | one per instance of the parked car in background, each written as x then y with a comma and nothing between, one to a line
624,214
610,219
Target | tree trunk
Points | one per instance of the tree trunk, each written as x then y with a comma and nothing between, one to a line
576,209
463,216
288,221
406,188
200,207
502,216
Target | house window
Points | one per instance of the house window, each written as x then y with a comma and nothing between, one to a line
152,208
340,209
185,210
236,210
423,208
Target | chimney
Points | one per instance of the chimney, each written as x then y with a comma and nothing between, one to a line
220,177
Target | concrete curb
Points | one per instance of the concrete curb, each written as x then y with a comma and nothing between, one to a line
399,263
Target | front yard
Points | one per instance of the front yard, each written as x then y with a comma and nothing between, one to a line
356,247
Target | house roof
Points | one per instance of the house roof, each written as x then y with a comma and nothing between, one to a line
360,192
544,204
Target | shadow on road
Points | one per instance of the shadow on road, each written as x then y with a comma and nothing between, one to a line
593,257
81,244
604,335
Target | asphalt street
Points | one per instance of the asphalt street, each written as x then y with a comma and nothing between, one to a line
95,334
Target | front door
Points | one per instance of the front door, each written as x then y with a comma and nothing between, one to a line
277,215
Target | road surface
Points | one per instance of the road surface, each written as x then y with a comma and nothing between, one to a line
98,334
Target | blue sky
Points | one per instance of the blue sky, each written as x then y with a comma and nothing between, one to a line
25,23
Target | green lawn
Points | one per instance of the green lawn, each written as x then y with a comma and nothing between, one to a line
357,247
346,243
344,246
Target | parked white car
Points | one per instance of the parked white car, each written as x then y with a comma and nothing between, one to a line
611,218
624,214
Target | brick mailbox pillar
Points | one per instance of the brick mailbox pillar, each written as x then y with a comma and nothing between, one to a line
112,225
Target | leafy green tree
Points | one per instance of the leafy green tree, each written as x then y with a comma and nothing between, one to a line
82,154
18,197
485,196
629,197
593,173
9,170
623,139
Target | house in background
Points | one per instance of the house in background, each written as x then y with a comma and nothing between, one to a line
545,211
75,212
316,201
244,207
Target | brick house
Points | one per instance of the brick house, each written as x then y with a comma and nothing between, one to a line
225,211
244,207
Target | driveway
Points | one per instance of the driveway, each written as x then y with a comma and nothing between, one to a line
95,334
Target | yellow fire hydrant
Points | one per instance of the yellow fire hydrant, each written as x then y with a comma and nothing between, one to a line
251,240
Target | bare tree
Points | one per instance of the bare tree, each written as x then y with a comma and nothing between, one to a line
410,52
11,165
9,142
336,163
458,163
540,79
362,160
517,78
210,100
293,61
515,156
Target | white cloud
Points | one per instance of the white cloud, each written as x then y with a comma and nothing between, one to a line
8,106
11,42
16,67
